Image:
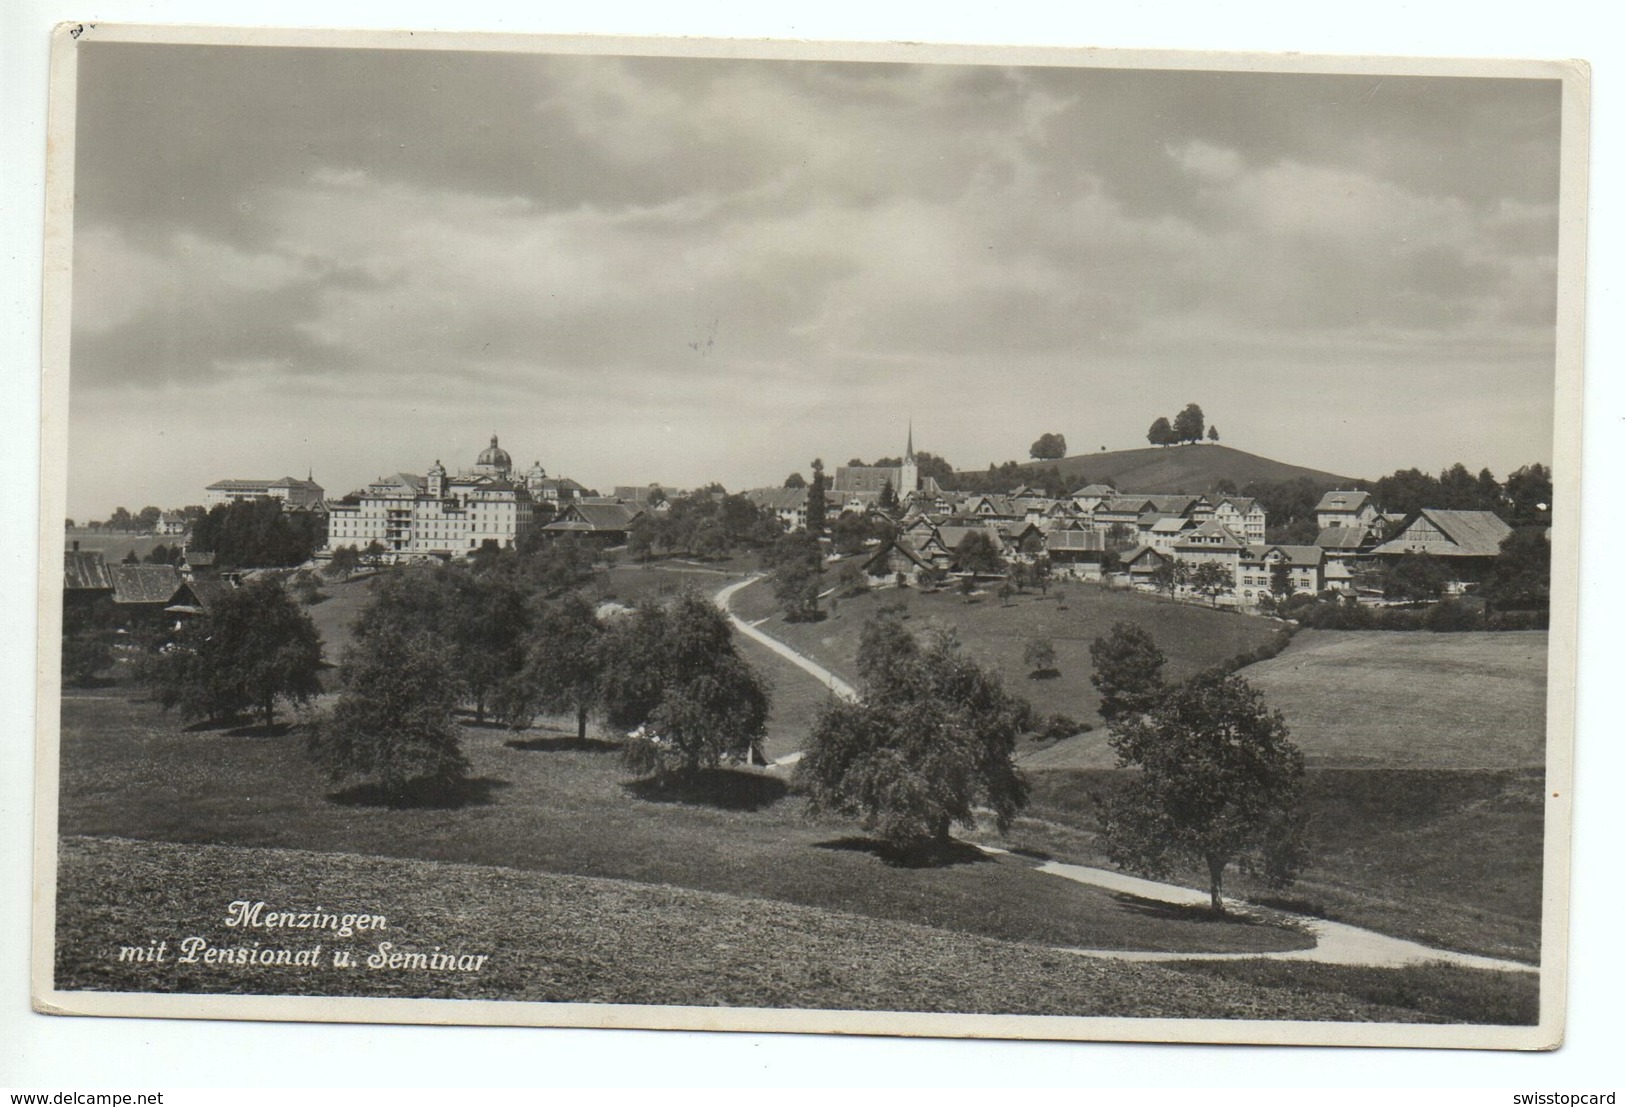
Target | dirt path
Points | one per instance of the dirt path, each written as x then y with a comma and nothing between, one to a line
1335,943
822,675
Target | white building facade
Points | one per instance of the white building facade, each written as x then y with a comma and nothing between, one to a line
437,514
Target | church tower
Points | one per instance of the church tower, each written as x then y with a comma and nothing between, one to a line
909,476
437,481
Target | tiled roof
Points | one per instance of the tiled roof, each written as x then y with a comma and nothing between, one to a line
1096,490
1342,501
144,583
596,517
1220,537
1473,534
1296,556
1341,538
85,569
1092,540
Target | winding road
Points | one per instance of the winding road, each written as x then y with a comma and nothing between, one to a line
1335,943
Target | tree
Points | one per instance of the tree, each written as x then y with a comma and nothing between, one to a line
1520,578
978,554
1049,447
1528,491
931,740
254,647
1188,424
1213,434
795,480
888,498
1219,782
816,508
1039,657
256,533
1161,432
345,560
1212,580
392,722
561,668
481,618
1281,586
797,569
1414,578
671,674
1170,576
1127,671
86,651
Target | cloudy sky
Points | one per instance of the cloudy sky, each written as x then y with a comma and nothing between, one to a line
646,269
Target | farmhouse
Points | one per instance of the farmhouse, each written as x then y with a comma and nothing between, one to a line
1079,553
603,524
1468,541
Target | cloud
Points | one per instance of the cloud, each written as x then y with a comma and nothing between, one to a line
698,252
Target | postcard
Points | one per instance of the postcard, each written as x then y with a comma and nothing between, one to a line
875,539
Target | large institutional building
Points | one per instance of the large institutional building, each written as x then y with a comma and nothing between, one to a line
442,514
290,490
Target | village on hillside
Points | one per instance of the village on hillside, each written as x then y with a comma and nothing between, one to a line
895,523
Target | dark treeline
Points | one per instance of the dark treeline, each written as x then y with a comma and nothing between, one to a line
144,521
256,534
706,523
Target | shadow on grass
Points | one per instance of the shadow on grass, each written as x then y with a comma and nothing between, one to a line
259,730
935,855
1312,908
1181,912
1044,674
1035,854
423,794
727,789
562,743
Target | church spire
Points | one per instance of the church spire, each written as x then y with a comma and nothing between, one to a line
909,454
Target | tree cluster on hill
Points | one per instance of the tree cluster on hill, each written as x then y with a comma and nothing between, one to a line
1218,779
256,534
702,524
1049,447
931,740
1187,426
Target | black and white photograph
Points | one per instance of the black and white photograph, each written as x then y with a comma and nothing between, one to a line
893,540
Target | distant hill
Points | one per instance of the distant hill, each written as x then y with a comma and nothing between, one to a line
1193,469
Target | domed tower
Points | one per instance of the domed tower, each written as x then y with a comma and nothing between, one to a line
494,461
437,480
534,478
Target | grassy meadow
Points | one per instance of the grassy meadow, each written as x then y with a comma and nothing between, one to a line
627,942
995,633
538,800
1424,787
1469,700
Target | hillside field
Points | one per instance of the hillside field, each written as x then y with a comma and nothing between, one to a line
1195,468
1473,700
636,943
113,545
1192,637
538,800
